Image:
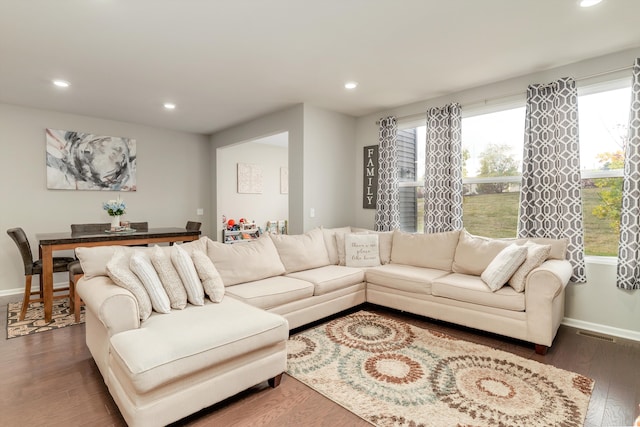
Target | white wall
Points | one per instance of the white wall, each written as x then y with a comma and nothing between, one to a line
328,168
270,204
173,180
321,162
596,304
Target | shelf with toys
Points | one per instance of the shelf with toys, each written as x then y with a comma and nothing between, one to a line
242,231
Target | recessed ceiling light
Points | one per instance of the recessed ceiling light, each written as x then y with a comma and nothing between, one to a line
169,106
351,85
588,3
61,83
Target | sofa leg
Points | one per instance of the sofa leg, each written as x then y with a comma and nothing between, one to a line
541,349
275,381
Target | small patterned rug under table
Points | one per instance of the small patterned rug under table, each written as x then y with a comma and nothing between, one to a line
391,373
34,319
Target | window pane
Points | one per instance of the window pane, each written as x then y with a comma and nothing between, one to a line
492,147
491,215
601,201
408,209
603,119
492,143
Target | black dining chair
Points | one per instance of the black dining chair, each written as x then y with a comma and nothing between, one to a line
31,267
191,226
139,226
90,228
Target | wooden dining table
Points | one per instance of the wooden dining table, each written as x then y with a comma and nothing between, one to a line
51,242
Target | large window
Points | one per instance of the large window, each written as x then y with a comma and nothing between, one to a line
604,118
492,154
492,150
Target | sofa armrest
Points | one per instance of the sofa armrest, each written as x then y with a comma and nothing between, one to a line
544,300
550,278
114,306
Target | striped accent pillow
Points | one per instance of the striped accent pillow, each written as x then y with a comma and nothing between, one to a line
503,266
188,274
140,264
169,277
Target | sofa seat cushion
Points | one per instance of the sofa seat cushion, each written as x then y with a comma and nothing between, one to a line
271,292
405,277
330,278
168,347
472,289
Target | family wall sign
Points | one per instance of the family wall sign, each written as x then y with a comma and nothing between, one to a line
370,178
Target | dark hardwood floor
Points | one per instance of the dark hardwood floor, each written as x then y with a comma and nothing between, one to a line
50,379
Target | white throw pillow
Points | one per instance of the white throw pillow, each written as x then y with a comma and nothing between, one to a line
385,243
361,250
119,271
188,274
211,280
536,255
141,265
503,266
169,277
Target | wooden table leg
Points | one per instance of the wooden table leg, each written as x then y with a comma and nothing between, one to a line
47,277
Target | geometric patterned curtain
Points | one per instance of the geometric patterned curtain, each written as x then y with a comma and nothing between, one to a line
443,170
550,196
629,247
388,200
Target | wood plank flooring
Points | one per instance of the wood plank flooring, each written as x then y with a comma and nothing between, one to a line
50,379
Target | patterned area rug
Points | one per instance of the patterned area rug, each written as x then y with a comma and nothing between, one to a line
34,320
394,374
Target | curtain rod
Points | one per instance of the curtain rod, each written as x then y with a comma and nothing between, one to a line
484,101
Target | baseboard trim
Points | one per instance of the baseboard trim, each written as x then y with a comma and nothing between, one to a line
602,329
19,291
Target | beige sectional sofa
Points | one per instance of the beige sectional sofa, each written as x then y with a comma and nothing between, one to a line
162,366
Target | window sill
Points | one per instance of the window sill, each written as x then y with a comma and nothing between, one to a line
601,260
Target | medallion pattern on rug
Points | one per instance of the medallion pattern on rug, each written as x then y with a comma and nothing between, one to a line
394,374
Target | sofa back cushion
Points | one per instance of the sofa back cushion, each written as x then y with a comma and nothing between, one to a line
424,250
245,262
558,246
330,240
302,251
473,253
94,259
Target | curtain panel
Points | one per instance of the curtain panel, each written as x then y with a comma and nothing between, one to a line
388,200
443,170
551,197
628,274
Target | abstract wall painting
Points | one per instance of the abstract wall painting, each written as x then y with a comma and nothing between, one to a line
83,161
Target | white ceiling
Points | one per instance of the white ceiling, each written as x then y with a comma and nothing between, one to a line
225,62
